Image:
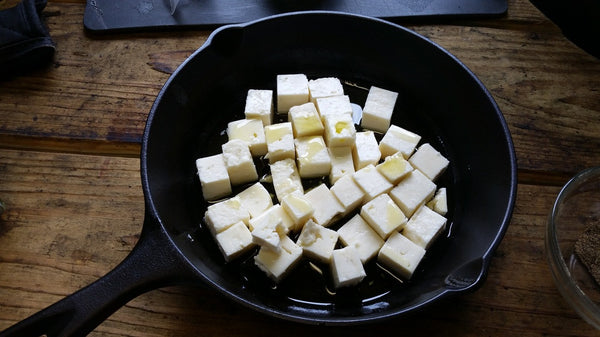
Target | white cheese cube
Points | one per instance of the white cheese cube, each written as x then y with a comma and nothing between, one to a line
401,255
339,130
378,109
317,242
268,235
234,241
251,131
312,156
346,267
348,193
238,161
358,234
223,214
255,199
277,264
286,179
341,162
439,203
292,89
334,105
412,191
365,150
213,176
298,208
397,139
325,204
383,215
429,161
280,141
424,227
371,182
305,120
271,218
394,168
324,87
259,105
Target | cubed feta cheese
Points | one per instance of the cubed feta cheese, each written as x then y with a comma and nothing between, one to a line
250,131
280,141
371,182
339,130
424,227
358,234
213,176
412,191
324,87
394,168
271,218
378,109
401,255
439,203
346,267
341,162
259,105
298,208
305,120
256,199
348,193
334,105
317,242
429,161
286,178
277,264
397,139
365,150
234,241
225,213
312,156
383,215
292,89
325,204
267,235
238,161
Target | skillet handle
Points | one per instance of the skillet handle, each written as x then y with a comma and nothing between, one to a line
153,263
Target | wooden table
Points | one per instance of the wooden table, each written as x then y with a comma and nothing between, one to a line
69,177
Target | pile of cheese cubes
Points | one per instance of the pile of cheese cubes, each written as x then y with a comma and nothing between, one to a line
386,189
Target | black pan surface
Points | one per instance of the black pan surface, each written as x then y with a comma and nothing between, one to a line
439,98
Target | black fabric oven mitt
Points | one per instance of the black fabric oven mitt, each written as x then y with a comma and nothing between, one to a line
25,43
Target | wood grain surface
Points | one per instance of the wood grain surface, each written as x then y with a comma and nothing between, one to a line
70,138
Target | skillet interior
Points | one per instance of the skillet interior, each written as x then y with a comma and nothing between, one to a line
439,99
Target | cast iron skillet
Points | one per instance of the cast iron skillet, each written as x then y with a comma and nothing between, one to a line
439,99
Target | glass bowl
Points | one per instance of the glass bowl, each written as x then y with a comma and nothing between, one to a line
576,209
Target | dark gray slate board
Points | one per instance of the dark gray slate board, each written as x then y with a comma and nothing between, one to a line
110,15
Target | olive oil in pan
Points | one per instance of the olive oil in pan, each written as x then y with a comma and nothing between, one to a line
310,282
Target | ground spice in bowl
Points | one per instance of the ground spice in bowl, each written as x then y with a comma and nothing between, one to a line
587,249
